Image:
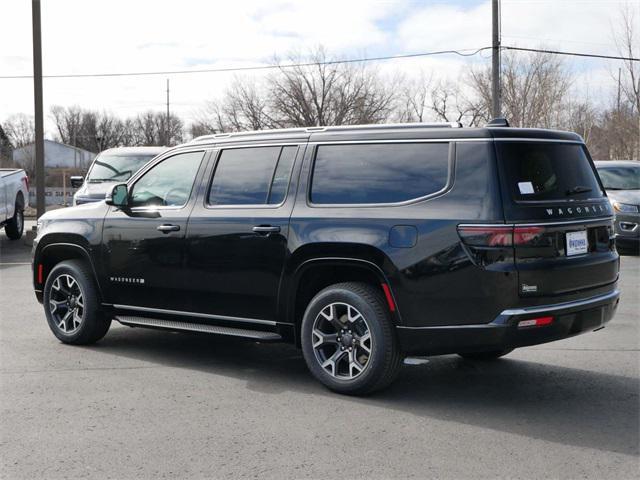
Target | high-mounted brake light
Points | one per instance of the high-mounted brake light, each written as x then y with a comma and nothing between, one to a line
536,322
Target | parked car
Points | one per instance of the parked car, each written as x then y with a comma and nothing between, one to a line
14,198
361,245
111,166
621,179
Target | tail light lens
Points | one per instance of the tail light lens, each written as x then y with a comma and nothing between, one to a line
494,244
26,183
492,236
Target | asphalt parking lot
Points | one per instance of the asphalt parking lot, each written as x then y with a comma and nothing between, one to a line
149,404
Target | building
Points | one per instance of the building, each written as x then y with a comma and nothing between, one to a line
56,155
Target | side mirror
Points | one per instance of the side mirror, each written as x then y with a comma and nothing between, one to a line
119,196
76,181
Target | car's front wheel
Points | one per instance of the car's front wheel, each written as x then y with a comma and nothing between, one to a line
72,306
348,339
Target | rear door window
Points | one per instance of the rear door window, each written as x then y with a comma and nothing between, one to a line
252,176
539,171
378,173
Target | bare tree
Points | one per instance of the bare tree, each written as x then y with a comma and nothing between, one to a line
534,89
328,93
412,103
68,122
321,92
6,150
20,129
150,128
451,105
626,39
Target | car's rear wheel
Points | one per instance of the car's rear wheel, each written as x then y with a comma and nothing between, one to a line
72,306
348,339
490,355
15,226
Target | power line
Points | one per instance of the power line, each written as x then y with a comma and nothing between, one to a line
262,67
330,62
574,54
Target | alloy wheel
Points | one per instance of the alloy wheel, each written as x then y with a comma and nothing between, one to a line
341,341
66,303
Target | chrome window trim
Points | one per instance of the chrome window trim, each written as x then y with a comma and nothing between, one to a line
195,314
451,171
271,206
161,158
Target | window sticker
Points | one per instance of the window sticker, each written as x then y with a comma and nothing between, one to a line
525,188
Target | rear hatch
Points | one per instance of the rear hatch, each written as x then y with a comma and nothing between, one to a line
550,191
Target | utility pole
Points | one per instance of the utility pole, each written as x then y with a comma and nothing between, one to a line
495,59
619,73
37,97
168,117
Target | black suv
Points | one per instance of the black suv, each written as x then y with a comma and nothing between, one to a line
362,245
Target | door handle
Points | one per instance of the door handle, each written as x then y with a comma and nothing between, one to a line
266,229
166,228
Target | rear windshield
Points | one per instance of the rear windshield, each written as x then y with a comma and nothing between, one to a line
620,177
538,171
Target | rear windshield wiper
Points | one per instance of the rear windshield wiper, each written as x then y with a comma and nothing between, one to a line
578,189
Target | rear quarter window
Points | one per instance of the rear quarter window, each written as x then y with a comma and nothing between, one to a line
539,171
378,173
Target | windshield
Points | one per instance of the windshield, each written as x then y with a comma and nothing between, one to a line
620,177
114,167
540,171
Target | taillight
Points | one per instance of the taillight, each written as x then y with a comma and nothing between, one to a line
26,182
498,236
488,246
481,236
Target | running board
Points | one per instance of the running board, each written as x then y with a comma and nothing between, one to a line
196,327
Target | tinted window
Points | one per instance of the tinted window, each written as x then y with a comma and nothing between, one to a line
117,167
378,173
252,176
621,177
169,183
547,171
281,176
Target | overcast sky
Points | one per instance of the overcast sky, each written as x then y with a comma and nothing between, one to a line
91,36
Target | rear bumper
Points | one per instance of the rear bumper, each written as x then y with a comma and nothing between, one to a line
569,319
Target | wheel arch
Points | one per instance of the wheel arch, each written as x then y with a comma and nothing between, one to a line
49,255
314,274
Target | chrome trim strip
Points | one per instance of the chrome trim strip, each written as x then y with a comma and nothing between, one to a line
195,327
562,306
545,140
196,315
538,224
401,140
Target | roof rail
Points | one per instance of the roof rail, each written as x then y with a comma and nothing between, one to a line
374,126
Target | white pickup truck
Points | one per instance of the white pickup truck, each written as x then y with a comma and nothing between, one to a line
14,197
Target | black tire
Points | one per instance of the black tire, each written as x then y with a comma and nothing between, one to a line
383,360
94,324
15,226
491,355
